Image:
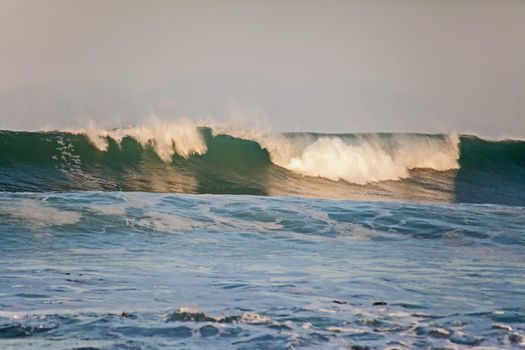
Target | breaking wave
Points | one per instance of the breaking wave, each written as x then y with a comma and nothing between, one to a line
358,158
182,157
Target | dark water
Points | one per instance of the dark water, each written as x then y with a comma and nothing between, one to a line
92,258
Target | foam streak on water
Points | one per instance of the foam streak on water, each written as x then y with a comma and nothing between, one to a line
257,272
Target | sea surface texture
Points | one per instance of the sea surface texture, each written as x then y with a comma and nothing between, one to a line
183,237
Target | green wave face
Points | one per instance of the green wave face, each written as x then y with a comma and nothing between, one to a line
365,167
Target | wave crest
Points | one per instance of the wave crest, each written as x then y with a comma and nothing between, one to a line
166,138
371,159
355,158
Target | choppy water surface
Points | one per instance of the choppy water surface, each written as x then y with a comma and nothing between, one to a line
219,271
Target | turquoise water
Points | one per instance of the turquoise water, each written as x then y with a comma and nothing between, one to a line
135,270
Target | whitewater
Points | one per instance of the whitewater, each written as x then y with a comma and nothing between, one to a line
184,235
183,157
359,159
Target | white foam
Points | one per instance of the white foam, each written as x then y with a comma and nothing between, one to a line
166,138
188,310
108,209
441,331
166,222
345,330
253,317
360,160
38,215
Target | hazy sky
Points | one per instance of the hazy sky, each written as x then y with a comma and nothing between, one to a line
333,66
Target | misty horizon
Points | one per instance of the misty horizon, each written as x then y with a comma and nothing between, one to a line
337,67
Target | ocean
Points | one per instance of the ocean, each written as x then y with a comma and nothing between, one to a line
182,237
